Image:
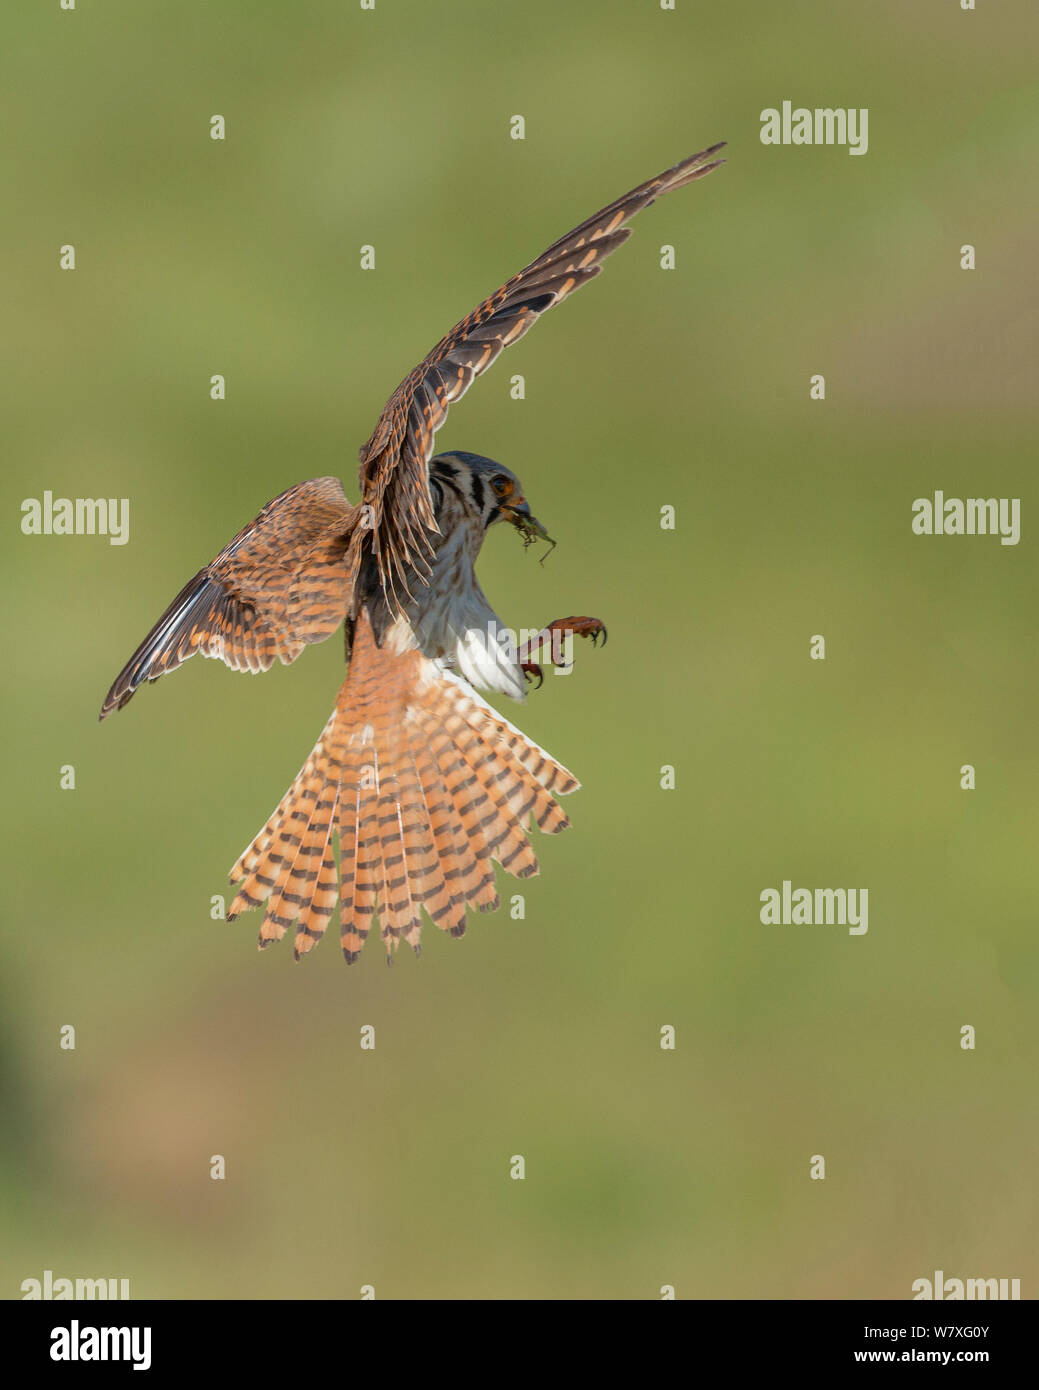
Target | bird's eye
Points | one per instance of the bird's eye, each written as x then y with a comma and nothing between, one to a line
501,485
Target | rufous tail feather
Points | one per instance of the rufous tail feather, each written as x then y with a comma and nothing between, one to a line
424,786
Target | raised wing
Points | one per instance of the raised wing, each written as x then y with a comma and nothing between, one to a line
283,582
394,461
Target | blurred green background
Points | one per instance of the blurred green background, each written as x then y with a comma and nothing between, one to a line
689,388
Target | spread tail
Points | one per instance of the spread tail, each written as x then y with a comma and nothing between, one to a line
423,784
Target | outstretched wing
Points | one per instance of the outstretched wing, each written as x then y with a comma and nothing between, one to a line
283,582
394,461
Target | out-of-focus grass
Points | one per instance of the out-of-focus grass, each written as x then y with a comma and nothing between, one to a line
690,388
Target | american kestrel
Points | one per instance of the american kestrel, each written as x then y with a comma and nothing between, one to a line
422,783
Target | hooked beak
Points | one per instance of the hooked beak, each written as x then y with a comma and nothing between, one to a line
517,512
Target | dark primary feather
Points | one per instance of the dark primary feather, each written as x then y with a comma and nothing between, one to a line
283,582
394,461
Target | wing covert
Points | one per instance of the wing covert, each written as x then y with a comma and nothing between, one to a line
284,581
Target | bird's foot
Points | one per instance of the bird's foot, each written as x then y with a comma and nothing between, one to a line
556,636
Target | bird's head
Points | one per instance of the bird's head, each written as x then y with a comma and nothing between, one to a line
488,491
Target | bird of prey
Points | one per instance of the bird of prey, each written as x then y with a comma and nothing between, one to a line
420,781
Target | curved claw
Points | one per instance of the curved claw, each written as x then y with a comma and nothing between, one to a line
594,630
530,670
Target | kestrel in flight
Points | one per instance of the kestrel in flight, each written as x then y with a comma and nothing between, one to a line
422,783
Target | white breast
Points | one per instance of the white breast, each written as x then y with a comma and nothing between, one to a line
453,624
